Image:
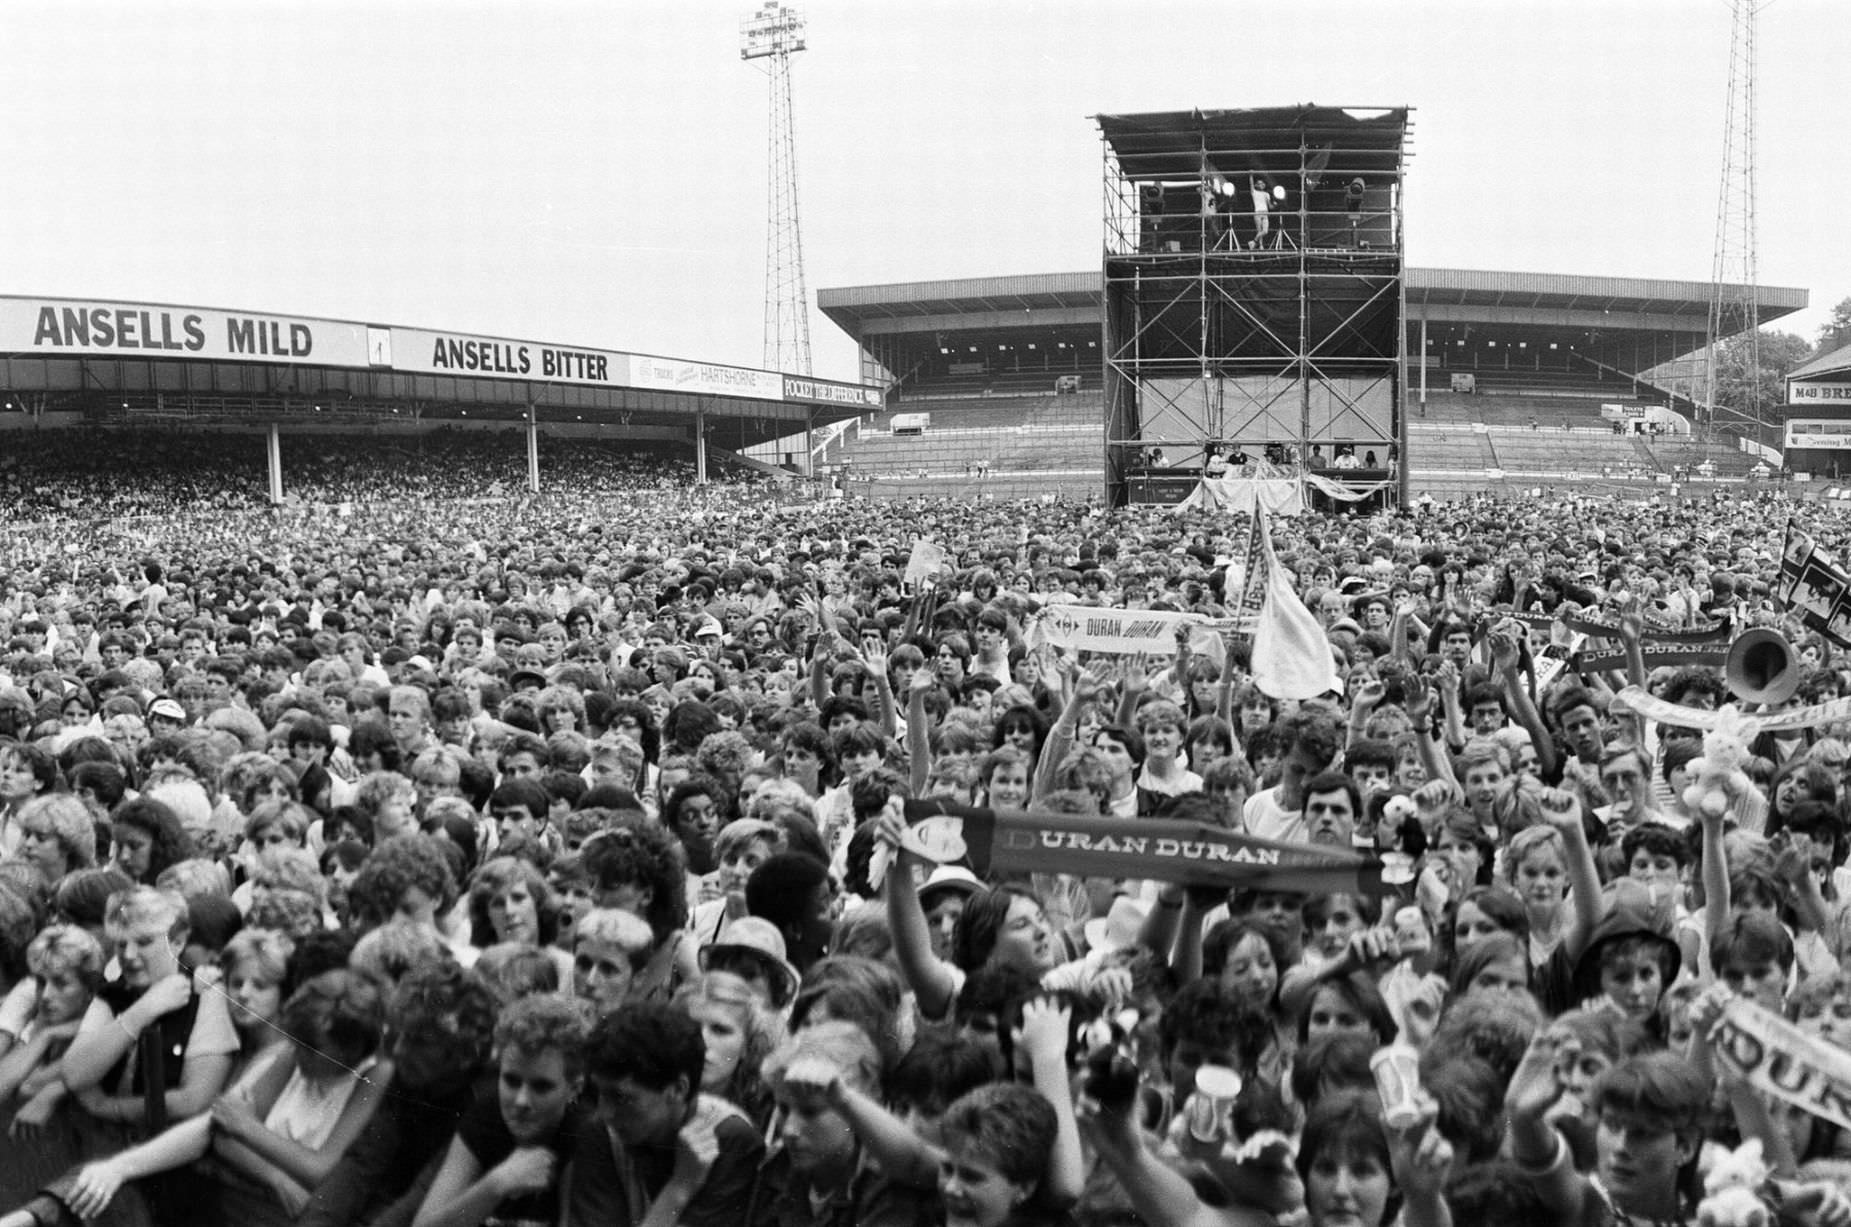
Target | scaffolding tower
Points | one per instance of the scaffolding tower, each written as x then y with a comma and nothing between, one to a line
775,33
1734,275
1254,294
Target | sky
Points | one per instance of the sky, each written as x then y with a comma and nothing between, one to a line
593,173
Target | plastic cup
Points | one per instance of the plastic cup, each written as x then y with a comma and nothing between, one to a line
1397,1082
1211,1108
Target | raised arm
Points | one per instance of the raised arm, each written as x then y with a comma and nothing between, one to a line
1507,663
1715,874
918,736
931,980
1044,1035
1561,809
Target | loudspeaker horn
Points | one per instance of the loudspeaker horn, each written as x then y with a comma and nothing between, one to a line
1761,667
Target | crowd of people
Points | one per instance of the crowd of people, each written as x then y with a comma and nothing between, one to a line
70,474
558,860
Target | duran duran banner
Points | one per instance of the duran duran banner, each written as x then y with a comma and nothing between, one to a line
1778,1059
1187,853
1658,654
1715,632
1124,632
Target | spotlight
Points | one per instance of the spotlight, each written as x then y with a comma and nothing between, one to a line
1279,192
1353,196
1223,186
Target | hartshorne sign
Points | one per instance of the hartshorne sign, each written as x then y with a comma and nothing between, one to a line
53,327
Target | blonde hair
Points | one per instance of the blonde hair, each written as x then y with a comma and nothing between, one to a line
145,905
66,948
1526,843
842,1044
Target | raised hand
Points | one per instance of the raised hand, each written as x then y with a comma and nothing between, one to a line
1422,1159
1534,1088
1044,1028
1561,809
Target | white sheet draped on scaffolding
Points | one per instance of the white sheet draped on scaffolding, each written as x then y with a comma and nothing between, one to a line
1348,491
1280,496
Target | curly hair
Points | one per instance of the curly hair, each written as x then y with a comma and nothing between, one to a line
339,1012
393,951
497,877
395,867
547,1022
378,787
60,948
170,843
634,851
70,824
442,998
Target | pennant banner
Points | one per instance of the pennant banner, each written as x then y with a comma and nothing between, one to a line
1654,708
1187,853
1657,654
1778,1059
1712,633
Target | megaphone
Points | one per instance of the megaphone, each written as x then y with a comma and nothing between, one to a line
1761,667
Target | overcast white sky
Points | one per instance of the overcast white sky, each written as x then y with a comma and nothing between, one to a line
593,173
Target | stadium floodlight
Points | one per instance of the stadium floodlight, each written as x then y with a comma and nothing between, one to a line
773,30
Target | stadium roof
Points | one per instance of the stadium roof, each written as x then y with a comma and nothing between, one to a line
1836,362
1628,322
1171,145
120,361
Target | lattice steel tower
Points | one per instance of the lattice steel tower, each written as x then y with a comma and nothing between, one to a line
1733,274
775,33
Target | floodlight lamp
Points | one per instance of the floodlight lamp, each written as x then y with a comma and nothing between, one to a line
1279,192
1353,195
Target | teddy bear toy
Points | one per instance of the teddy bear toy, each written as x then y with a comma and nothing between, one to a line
1730,1196
1718,774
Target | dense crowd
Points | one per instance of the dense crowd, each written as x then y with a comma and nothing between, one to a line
561,860
66,474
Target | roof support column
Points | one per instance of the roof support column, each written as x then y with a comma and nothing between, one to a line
700,448
273,451
1423,363
533,449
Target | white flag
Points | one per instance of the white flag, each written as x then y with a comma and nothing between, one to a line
1291,655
